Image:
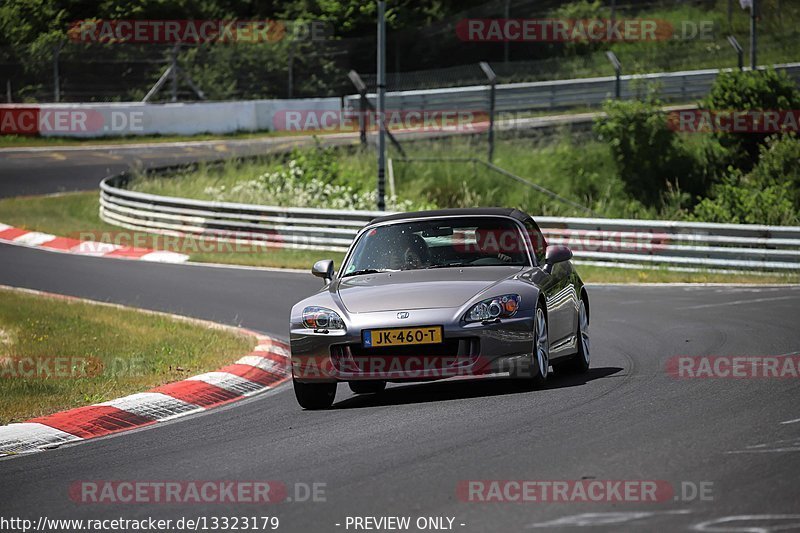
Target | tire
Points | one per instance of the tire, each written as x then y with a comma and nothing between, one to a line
579,363
367,387
314,396
536,370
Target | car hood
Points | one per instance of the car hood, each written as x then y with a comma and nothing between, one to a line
418,289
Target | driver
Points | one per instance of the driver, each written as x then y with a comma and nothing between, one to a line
412,252
497,243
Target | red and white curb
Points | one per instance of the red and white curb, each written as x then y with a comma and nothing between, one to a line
264,368
46,241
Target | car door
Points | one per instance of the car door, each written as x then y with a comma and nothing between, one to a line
558,291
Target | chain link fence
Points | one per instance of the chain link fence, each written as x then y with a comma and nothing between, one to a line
417,58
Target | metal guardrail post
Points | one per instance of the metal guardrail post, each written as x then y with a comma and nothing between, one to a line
361,87
381,104
753,33
56,76
558,94
739,51
617,71
492,77
174,74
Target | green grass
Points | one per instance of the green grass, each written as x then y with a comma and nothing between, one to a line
65,215
579,169
596,274
124,351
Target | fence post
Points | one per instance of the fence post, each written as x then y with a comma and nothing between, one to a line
753,46
56,80
506,15
290,89
174,73
361,87
739,51
492,90
618,71
381,104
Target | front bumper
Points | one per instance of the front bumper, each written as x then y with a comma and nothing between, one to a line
467,349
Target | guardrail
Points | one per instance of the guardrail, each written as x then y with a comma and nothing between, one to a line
682,86
611,242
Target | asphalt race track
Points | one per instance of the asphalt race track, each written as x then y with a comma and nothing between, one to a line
44,170
403,453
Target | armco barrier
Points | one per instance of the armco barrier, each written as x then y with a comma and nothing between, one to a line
682,86
135,118
677,245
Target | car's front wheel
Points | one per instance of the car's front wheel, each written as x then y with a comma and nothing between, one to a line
367,387
314,395
579,363
537,368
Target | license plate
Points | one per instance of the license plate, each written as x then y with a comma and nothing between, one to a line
375,338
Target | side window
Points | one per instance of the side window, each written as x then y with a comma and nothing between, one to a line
537,240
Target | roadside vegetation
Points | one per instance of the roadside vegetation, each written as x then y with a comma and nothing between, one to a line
58,354
633,165
422,37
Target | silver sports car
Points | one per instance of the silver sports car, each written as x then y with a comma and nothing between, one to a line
437,294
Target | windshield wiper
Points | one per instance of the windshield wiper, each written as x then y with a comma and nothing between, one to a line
366,271
450,265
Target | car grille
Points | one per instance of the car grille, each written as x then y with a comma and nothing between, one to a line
451,353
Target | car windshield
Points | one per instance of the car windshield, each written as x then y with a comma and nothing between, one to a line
438,243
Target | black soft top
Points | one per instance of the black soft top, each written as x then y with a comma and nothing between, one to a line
484,211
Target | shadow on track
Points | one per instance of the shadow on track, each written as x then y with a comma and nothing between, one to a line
438,391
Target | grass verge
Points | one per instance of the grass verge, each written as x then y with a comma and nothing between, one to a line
84,353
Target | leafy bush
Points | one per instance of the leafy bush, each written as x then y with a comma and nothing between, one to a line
309,179
744,91
736,202
769,194
581,10
648,154
779,163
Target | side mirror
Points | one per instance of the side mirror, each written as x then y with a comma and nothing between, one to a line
556,253
323,269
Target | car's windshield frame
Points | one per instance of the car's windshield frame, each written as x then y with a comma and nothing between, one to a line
529,257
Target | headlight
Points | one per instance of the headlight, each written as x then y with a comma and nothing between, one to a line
321,318
498,307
